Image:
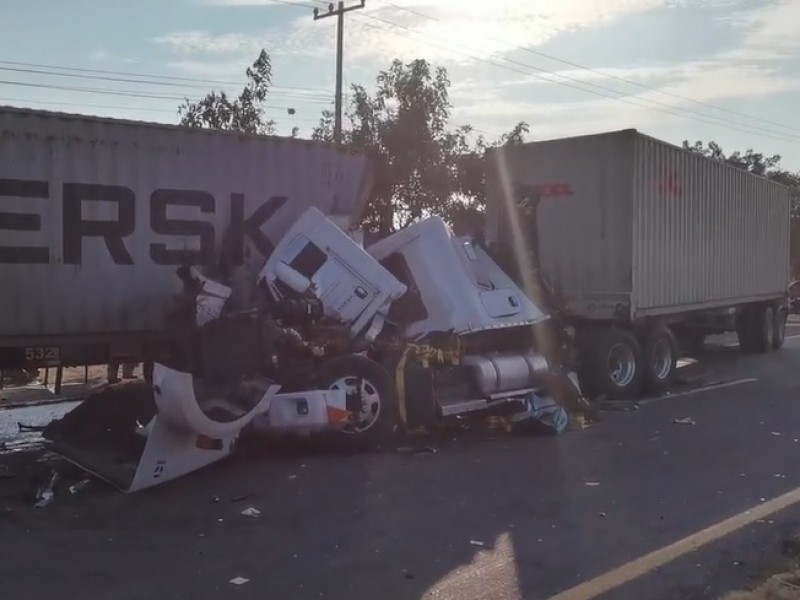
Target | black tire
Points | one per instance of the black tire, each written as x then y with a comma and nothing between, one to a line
377,385
763,328
660,358
779,335
745,328
612,361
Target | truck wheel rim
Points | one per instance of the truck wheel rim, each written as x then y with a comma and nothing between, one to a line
662,359
621,365
370,402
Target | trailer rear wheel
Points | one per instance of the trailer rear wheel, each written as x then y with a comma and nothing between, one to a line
763,325
613,363
370,396
745,330
660,358
756,328
779,336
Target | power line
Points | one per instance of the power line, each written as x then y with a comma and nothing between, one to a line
605,74
129,94
25,101
149,82
319,91
670,110
294,4
122,93
90,105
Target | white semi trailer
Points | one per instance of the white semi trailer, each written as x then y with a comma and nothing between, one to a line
641,249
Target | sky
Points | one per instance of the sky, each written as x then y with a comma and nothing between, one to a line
723,70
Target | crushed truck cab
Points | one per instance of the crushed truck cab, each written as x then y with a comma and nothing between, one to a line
316,257
420,327
467,332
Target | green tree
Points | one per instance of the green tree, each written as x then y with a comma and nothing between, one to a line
754,162
244,113
423,167
751,161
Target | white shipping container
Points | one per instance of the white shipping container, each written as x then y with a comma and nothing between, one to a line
632,227
97,214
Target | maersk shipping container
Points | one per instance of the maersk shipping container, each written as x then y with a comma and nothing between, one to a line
97,214
627,221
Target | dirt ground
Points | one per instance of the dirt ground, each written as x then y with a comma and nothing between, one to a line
785,586
76,383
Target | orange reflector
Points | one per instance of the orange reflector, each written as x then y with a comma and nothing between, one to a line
337,415
206,443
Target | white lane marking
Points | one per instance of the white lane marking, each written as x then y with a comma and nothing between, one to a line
644,564
708,388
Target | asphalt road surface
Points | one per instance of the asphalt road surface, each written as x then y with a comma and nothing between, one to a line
487,516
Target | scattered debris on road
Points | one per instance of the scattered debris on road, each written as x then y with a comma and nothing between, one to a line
239,580
417,450
47,493
25,427
684,421
476,543
251,511
775,433
77,487
591,483
541,413
618,405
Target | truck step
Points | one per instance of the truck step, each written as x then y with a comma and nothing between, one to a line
459,406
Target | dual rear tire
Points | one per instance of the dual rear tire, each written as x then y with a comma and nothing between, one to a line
761,328
619,365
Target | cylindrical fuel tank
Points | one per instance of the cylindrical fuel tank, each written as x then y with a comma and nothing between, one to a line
505,372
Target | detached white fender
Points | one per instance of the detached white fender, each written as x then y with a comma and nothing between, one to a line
182,437
178,406
179,439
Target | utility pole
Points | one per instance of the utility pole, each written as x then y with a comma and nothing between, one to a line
338,11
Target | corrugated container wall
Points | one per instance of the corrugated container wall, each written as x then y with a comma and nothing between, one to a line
631,226
152,191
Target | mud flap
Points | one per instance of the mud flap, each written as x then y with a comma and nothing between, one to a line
186,433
